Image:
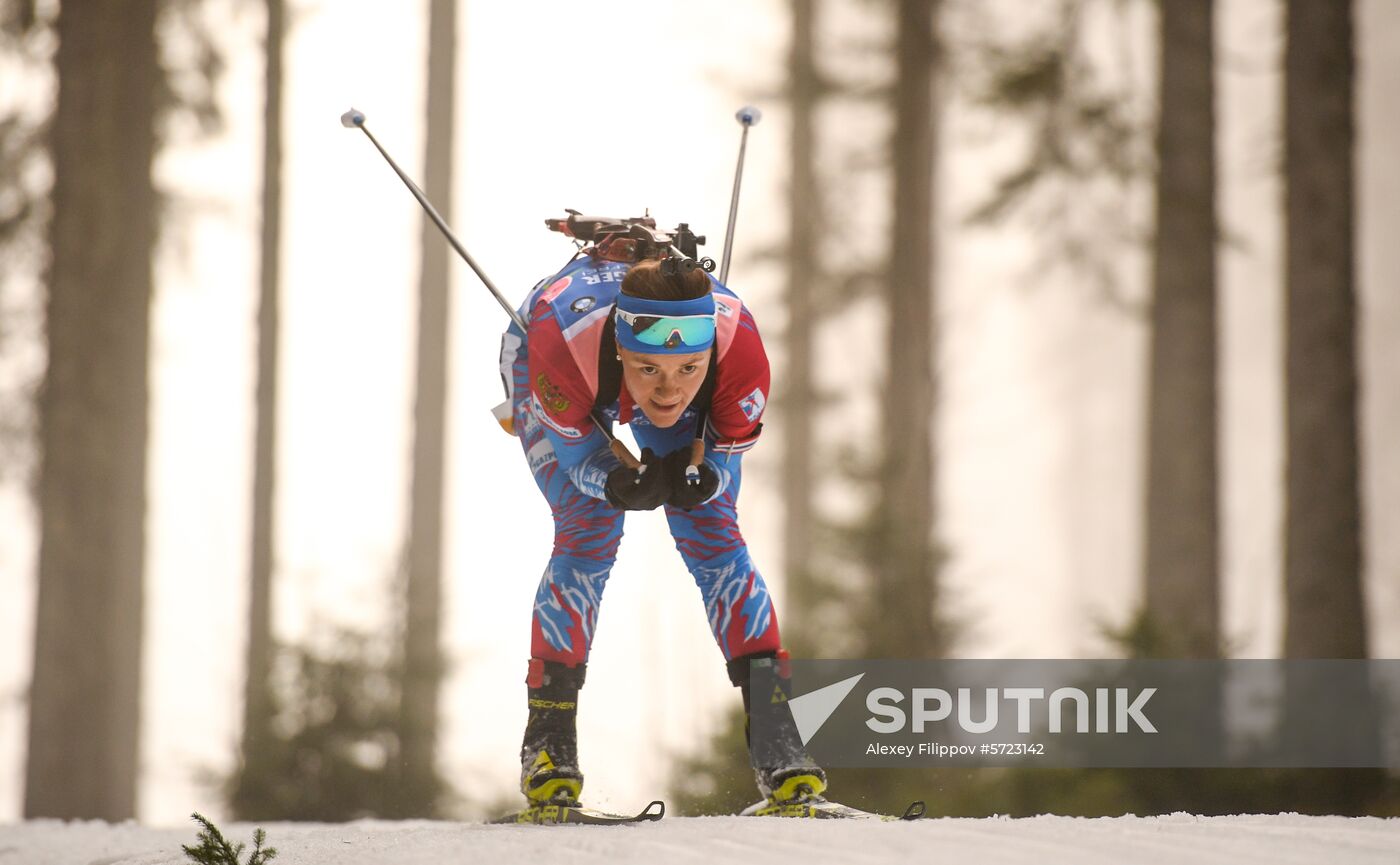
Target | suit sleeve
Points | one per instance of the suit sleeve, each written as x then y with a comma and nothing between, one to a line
741,391
562,403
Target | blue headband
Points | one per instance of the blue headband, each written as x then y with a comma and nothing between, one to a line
651,326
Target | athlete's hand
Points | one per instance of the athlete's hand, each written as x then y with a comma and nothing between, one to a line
689,489
640,489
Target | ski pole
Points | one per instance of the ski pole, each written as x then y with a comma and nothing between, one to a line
354,119
747,116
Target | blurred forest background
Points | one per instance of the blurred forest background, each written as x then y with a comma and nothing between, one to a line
1083,141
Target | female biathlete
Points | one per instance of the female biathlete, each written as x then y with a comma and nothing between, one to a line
661,346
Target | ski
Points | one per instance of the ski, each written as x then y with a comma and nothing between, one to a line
818,808
575,814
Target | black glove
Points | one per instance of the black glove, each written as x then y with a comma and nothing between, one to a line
689,489
639,489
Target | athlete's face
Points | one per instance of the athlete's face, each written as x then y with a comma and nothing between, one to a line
664,384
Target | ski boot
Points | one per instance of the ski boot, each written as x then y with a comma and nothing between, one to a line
787,777
549,773
791,782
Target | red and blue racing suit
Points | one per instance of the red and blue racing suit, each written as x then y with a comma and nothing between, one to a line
551,377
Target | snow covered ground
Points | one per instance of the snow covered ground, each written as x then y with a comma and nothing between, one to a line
1180,838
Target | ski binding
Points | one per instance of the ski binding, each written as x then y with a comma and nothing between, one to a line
575,814
816,807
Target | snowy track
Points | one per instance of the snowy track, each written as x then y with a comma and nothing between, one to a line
1179,838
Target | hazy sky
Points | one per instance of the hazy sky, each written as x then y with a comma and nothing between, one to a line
615,112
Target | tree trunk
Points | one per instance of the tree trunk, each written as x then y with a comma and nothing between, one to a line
257,705
85,696
1325,612
1182,532
422,655
905,622
799,398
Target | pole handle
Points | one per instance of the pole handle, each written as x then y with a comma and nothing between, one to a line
623,454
